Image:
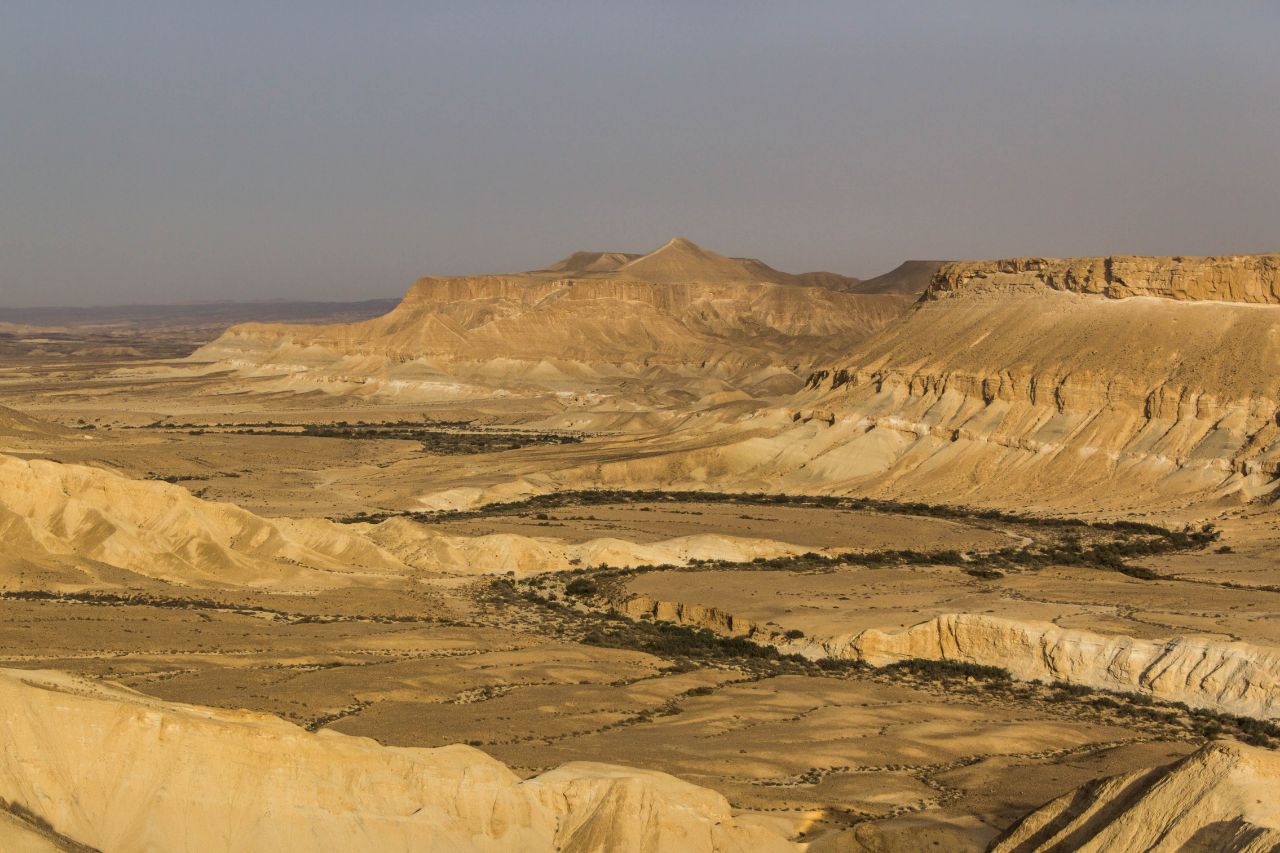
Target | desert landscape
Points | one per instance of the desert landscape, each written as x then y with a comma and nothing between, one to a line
734,560
595,427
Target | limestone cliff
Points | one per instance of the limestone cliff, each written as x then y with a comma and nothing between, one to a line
1232,278
1221,798
118,771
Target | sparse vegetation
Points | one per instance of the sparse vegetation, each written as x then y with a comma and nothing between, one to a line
445,438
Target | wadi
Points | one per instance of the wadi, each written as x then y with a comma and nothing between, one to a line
653,551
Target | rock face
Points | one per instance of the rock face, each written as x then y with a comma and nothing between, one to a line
1220,799
118,771
1235,677
1233,278
679,313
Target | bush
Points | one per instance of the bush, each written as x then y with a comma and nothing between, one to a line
581,588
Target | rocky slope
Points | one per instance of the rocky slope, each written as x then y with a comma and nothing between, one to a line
1220,798
70,527
117,771
1067,379
681,316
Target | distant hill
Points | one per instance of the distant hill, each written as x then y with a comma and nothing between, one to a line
910,278
603,315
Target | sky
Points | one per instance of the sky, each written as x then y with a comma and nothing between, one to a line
180,151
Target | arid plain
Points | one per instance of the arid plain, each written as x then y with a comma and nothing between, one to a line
652,551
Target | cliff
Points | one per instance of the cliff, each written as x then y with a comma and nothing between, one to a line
1233,278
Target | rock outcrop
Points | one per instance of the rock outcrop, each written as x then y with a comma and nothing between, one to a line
1220,799
1238,678
117,771
1232,278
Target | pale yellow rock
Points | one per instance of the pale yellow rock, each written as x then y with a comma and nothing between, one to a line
420,546
122,772
1220,799
73,520
1235,677
1238,678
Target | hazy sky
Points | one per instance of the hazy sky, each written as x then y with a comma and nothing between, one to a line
174,151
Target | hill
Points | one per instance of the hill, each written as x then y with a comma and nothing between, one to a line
681,317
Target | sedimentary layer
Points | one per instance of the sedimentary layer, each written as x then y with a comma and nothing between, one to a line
1229,278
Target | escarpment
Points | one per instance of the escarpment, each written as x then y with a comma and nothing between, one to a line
1022,376
1230,278
1238,678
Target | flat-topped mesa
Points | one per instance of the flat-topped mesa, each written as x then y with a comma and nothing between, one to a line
1227,278
679,308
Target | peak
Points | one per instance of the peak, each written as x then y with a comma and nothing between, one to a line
681,243
682,261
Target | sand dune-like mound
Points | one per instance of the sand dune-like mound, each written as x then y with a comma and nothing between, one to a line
420,546
75,526
1221,798
676,316
117,771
